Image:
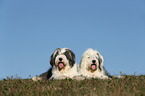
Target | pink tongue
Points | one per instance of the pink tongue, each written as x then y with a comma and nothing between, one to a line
60,65
93,67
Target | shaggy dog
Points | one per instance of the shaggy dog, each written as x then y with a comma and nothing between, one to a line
91,65
63,65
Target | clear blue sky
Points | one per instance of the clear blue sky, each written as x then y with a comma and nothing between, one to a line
30,30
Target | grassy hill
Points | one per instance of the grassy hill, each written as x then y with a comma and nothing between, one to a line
128,86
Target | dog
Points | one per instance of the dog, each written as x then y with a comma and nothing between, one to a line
91,65
63,66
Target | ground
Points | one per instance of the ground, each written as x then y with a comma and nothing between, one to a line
127,86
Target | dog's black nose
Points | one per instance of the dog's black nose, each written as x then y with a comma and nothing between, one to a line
94,61
60,59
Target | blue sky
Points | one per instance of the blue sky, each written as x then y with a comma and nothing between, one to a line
30,30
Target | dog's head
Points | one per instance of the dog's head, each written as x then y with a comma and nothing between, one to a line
61,58
92,60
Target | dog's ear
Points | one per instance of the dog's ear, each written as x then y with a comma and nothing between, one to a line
53,56
82,64
70,56
101,60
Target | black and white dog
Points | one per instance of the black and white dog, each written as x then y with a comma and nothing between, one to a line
91,65
63,65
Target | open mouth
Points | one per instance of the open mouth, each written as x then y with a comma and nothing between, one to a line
60,65
93,66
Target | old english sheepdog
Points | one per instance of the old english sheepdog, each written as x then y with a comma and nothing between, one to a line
63,65
91,65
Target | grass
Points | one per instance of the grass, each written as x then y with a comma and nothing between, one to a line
128,86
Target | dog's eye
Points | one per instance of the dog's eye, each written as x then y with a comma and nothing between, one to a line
88,57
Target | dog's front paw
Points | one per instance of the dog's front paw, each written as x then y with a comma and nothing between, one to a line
36,78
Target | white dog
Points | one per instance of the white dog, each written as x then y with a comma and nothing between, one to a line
63,65
91,65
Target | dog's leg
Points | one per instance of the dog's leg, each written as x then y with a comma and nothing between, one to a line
43,76
36,78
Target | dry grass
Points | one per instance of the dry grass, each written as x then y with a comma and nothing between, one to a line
128,86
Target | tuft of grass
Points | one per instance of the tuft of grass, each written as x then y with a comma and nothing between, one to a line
128,86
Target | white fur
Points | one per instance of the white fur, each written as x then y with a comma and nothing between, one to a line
36,78
86,61
68,72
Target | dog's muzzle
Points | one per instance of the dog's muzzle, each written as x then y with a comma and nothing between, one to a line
93,66
60,65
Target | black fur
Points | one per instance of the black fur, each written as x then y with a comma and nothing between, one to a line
100,61
52,60
46,75
106,73
70,56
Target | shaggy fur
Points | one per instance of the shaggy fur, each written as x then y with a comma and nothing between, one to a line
63,65
91,65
